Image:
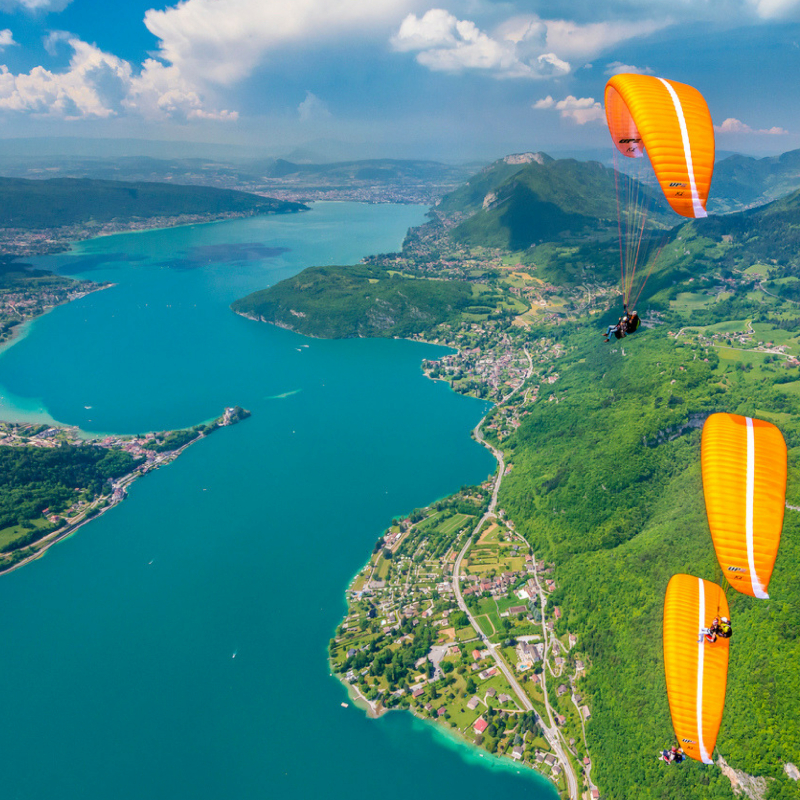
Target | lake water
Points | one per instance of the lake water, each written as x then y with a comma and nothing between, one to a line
119,675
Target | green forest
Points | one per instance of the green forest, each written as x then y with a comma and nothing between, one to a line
31,204
35,479
607,484
362,300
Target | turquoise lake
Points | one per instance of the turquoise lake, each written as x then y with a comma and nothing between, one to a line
119,674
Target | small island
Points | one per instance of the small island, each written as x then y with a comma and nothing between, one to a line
52,480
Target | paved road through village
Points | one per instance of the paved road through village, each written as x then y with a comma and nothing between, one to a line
551,732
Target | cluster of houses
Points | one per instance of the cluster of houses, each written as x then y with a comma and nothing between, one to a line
497,586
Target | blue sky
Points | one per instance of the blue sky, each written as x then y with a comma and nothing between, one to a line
453,79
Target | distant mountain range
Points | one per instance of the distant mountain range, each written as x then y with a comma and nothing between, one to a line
376,180
742,181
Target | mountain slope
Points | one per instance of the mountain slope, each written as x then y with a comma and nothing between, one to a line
469,198
54,203
545,200
362,300
743,181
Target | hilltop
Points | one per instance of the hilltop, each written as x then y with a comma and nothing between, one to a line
539,200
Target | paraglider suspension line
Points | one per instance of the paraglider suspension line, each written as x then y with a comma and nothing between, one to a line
619,231
647,277
635,259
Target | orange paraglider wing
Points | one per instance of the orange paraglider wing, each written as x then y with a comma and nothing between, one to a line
672,122
744,483
696,670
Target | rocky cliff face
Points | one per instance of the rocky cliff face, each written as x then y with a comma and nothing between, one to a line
750,786
526,158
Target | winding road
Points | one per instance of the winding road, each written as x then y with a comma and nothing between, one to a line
551,732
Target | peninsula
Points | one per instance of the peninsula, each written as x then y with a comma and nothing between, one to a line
52,480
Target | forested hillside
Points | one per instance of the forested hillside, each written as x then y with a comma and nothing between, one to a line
33,480
362,300
607,483
31,204
741,181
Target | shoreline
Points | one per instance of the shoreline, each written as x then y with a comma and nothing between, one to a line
21,330
118,494
74,237
375,709
451,735
105,234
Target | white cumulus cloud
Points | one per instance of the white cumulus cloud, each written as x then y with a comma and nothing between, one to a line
223,42
444,43
313,110
579,109
617,68
732,125
6,38
101,85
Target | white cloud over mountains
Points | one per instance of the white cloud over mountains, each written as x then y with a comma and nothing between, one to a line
524,46
732,125
203,45
224,42
578,109
313,110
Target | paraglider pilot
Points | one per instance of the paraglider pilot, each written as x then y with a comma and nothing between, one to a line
720,628
673,756
615,329
627,324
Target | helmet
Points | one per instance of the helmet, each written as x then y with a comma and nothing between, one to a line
726,620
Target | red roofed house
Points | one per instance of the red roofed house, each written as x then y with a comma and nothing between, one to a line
480,725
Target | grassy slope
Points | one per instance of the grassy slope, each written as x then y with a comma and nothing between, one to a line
72,201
